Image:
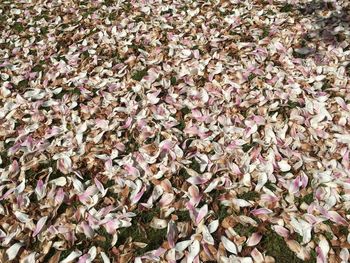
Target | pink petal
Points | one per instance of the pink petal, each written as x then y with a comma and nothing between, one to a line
203,211
39,225
261,211
280,230
254,239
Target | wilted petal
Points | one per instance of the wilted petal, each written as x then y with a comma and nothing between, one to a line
172,233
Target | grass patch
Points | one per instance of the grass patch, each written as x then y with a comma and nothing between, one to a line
141,232
195,166
153,237
183,215
23,84
173,81
222,213
246,147
251,77
169,11
131,145
286,8
309,198
265,33
185,111
65,253
270,186
18,27
293,104
298,55
181,126
106,240
37,68
244,230
251,195
138,75
344,230
146,216
5,159
275,246
327,85
183,173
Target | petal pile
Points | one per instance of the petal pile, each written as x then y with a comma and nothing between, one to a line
174,131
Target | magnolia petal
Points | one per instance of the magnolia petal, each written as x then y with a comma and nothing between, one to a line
261,211
157,223
344,255
24,218
213,226
229,245
172,233
201,213
280,230
181,246
193,249
257,256
254,239
73,255
39,225
30,258
284,166
207,237
105,258
322,250
12,251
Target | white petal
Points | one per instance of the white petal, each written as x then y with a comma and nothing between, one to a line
241,203
30,258
262,179
157,223
284,166
213,226
24,218
12,251
207,237
344,255
194,251
181,246
229,245
61,181
324,247
105,258
73,255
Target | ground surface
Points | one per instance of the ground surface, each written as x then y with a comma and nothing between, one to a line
174,131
